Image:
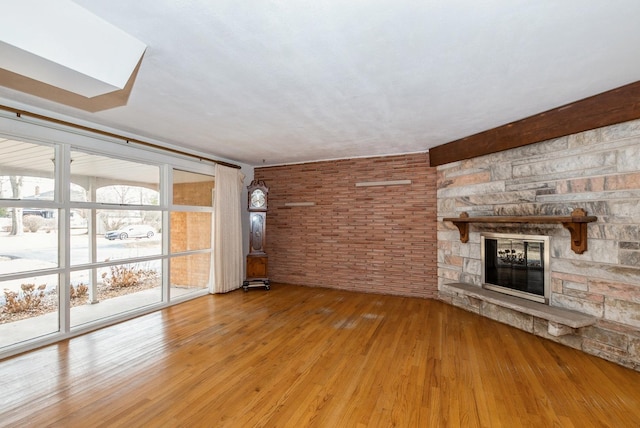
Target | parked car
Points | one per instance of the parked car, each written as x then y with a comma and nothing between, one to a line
132,231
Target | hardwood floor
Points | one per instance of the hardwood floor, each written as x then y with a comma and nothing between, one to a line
298,357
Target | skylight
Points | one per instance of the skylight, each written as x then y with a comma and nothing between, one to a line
64,45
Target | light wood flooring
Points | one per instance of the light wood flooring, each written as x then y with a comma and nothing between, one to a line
304,357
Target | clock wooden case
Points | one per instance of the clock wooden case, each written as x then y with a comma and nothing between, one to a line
257,260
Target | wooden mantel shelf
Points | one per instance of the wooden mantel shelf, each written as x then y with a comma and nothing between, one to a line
576,223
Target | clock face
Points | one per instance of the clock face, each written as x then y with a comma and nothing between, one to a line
257,199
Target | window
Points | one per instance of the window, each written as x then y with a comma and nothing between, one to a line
191,230
93,231
29,245
120,238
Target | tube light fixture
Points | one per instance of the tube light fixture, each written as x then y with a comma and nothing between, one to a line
299,204
383,183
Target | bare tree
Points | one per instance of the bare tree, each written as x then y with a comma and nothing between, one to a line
124,194
17,227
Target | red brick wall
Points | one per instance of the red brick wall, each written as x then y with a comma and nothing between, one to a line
371,239
198,193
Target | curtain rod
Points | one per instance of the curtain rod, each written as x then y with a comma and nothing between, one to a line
19,113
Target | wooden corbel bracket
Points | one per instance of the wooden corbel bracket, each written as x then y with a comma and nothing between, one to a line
578,229
463,227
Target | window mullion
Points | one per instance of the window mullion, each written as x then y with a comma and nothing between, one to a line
166,199
62,195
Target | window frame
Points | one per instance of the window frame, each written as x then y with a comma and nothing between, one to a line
64,140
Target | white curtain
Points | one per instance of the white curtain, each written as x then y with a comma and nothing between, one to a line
227,267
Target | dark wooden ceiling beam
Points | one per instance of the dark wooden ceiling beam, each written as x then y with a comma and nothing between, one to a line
608,108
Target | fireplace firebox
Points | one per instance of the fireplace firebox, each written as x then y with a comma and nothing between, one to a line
516,264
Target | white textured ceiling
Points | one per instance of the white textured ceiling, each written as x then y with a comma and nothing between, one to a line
268,82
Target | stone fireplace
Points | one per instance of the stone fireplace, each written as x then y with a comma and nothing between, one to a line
516,265
597,171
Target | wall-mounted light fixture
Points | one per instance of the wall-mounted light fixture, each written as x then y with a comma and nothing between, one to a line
299,204
383,183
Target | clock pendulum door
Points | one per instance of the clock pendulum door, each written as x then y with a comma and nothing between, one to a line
257,258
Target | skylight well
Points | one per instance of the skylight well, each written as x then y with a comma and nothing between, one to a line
64,45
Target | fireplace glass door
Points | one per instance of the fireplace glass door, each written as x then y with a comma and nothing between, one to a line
515,266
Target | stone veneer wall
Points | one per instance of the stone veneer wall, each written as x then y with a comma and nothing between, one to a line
370,239
597,170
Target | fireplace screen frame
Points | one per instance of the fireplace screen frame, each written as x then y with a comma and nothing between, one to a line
545,256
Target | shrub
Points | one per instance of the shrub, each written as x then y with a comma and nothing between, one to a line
79,291
127,276
28,299
32,223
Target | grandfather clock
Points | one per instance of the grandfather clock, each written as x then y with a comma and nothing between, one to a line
257,275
